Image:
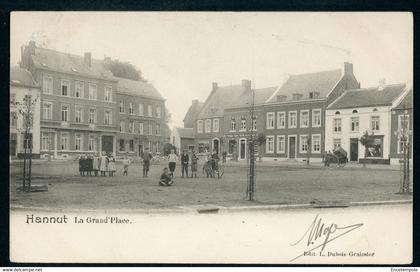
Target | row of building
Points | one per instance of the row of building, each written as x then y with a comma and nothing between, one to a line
308,115
80,107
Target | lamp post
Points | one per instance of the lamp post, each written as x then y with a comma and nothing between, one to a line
250,192
403,135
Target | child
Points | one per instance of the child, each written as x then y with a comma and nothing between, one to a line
194,161
126,163
172,158
111,165
165,178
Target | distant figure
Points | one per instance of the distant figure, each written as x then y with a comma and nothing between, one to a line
194,161
214,163
103,164
184,163
146,162
126,163
81,165
165,178
89,165
224,154
95,164
172,162
111,165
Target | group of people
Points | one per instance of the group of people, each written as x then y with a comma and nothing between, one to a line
90,165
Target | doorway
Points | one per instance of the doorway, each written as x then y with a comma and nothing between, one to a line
242,149
216,145
354,149
292,147
108,144
140,150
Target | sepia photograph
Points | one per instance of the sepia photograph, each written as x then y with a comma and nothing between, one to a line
211,137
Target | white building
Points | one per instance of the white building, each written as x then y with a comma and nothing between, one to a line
22,84
358,111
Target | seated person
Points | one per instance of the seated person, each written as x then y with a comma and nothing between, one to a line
165,178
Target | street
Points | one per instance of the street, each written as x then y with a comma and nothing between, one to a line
247,237
282,184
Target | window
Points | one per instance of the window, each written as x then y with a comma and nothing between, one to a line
64,113
108,93
336,143
354,126
65,87
337,125
233,124
254,123
141,129
316,118
400,147
79,115
122,145
281,98
304,118
122,126
141,110
92,143
64,142
403,122
131,127
292,119
47,110
47,86
297,96
243,124
131,145
45,141
281,120
92,116
78,92
208,126
313,95
374,121
199,126
150,129
270,120
149,111
376,150
108,117
303,143
215,125
93,93
281,143
130,108
157,129
78,142
122,107
270,144
316,143
158,112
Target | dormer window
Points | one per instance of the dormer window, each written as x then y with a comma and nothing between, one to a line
297,96
354,111
313,95
337,113
281,98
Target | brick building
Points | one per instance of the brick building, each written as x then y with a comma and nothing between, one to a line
141,118
295,113
23,88
192,113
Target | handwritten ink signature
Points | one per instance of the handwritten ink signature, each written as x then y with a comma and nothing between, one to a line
319,231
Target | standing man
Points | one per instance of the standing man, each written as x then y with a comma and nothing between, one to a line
146,162
194,161
184,161
172,158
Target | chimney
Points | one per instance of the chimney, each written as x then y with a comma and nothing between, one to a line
88,59
382,83
348,68
214,86
246,83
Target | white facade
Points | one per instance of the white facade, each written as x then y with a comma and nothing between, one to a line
371,119
17,126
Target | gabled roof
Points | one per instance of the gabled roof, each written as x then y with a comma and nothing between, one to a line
322,82
69,63
406,102
137,88
21,77
185,132
193,110
245,99
219,99
368,97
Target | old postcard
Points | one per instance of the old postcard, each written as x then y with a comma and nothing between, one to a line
211,137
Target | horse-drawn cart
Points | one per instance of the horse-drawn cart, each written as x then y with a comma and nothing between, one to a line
338,157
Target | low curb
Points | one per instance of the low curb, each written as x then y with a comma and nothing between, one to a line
194,209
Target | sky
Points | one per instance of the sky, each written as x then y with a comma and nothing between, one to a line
183,53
